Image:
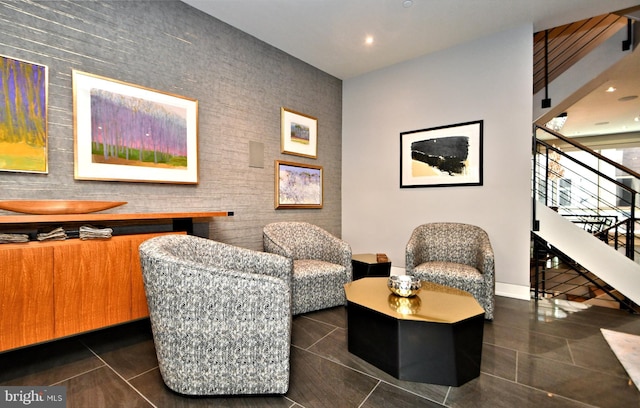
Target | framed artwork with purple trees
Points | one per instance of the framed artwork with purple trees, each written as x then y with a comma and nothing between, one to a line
126,132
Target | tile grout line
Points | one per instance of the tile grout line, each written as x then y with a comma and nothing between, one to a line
362,372
323,337
571,364
419,395
78,375
547,392
371,375
446,396
515,375
120,376
144,372
540,333
573,360
369,394
320,321
293,403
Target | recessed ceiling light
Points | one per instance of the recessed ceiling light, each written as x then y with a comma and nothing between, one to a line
610,89
628,98
368,40
407,3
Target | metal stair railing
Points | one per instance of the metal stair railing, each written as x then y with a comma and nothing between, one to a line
589,190
558,276
557,49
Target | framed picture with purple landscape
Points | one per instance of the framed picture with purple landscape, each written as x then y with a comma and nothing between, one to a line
299,134
23,116
298,185
125,132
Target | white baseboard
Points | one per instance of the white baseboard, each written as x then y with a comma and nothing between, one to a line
513,291
502,289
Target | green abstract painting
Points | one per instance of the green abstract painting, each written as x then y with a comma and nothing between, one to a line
23,116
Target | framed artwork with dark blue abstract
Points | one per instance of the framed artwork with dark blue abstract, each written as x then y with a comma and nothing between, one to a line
442,156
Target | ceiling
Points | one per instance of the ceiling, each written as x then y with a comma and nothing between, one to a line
595,112
330,35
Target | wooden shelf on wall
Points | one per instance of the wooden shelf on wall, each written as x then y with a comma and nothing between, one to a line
37,219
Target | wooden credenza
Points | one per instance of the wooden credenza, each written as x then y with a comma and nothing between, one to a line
53,289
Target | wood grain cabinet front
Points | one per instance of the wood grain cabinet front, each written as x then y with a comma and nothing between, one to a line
26,295
92,284
139,307
54,289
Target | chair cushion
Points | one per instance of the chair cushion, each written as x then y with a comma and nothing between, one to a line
317,285
449,273
307,267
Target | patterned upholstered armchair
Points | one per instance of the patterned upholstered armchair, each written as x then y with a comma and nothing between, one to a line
220,315
456,255
321,263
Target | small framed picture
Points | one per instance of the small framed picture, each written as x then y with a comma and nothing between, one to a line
298,185
125,132
442,156
299,134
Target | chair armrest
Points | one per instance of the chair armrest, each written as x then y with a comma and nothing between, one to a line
415,253
274,265
305,241
269,245
261,263
210,290
221,255
485,260
337,251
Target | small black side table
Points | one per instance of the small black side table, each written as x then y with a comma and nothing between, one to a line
367,265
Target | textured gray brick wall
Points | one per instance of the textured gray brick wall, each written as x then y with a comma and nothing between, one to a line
240,84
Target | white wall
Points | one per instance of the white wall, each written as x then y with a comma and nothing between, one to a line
489,79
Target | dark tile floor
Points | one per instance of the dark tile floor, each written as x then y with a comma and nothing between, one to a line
545,355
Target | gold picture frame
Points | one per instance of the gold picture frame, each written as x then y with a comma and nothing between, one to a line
298,185
299,134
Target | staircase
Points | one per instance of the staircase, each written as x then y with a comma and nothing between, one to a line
584,204
555,275
556,50
584,218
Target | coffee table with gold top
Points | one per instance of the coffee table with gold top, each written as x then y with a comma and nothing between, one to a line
434,337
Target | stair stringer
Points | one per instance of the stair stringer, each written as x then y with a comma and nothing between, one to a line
596,256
